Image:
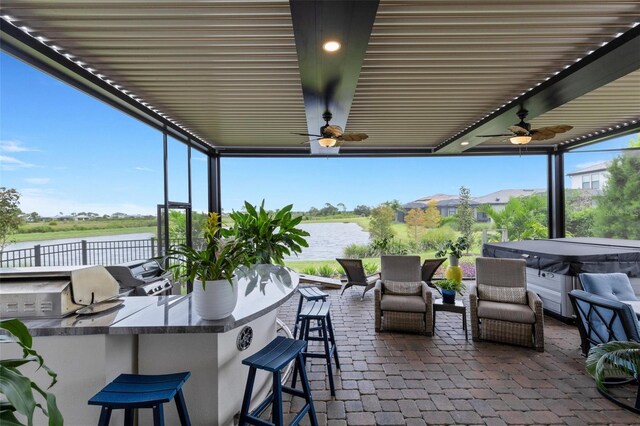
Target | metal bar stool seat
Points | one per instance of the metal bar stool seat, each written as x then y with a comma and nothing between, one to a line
273,358
319,311
133,391
307,294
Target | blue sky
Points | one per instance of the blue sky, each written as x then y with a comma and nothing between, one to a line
67,152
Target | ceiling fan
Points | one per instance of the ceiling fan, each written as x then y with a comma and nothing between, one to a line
522,133
330,135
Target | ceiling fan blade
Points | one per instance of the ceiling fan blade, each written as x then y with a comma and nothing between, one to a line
353,137
492,136
333,131
542,134
519,130
561,128
306,134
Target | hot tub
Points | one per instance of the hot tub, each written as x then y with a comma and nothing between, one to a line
553,265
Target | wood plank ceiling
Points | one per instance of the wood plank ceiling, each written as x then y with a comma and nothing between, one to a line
228,70
434,68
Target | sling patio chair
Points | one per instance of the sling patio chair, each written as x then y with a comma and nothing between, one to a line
356,276
429,268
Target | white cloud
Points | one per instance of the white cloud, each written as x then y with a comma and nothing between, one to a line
14,146
38,181
143,169
8,163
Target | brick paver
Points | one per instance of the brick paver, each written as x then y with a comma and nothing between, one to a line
393,378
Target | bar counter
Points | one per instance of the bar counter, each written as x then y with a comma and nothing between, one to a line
164,334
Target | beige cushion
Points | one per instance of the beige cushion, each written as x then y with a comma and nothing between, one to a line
511,312
502,294
391,302
403,288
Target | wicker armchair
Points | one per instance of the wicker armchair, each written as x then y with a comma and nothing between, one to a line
513,323
412,313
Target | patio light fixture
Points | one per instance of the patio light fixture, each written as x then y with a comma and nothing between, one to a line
520,140
331,46
327,142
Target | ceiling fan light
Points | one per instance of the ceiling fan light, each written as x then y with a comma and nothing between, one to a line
520,140
327,142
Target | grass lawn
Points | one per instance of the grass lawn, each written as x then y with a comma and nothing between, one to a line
55,235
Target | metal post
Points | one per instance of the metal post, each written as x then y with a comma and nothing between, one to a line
214,184
153,247
555,195
165,152
84,251
37,253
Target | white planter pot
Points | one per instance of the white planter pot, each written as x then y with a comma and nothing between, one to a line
217,301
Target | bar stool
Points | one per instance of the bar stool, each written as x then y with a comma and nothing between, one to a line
274,357
319,311
133,391
307,294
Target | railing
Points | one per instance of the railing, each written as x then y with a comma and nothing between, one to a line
80,253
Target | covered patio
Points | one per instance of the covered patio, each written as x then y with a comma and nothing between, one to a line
251,79
396,379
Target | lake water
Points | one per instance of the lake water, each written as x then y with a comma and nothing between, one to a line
327,240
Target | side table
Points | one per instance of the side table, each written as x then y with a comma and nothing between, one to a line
458,308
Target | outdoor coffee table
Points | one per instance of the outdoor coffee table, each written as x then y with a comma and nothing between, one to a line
458,308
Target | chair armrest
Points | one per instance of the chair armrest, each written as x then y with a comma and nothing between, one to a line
473,312
427,294
377,298
535,303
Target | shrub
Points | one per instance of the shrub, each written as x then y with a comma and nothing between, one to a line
53,223
355,251
326,270
310,270
433,239
468,268
371,267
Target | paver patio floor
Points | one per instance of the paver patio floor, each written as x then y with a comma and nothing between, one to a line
392,378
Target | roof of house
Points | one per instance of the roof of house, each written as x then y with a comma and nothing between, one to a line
597,167
497,197
503,196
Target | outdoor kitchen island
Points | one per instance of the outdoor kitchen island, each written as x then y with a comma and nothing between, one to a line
163,334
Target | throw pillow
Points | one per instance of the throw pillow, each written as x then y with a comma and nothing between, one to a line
502,294
401,288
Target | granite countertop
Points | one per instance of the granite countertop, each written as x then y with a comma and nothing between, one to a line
260,290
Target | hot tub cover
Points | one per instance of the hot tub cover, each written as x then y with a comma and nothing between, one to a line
571,256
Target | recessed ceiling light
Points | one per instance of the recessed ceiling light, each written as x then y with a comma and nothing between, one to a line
331,46
465,143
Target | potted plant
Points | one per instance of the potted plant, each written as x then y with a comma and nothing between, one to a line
449,289
267,236
616,363
19,391
454,250
212,270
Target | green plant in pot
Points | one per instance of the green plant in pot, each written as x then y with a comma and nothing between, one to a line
449,289
211,269
267,236
616,363
454,249
18,392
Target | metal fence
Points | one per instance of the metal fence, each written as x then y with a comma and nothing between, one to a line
80,253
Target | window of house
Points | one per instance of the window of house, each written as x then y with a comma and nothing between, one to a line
452,211
595,181
586,182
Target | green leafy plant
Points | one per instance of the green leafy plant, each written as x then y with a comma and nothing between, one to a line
450,285
16,388
371,267
309,270
613,359
217,260
454,248
267,236
326,270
